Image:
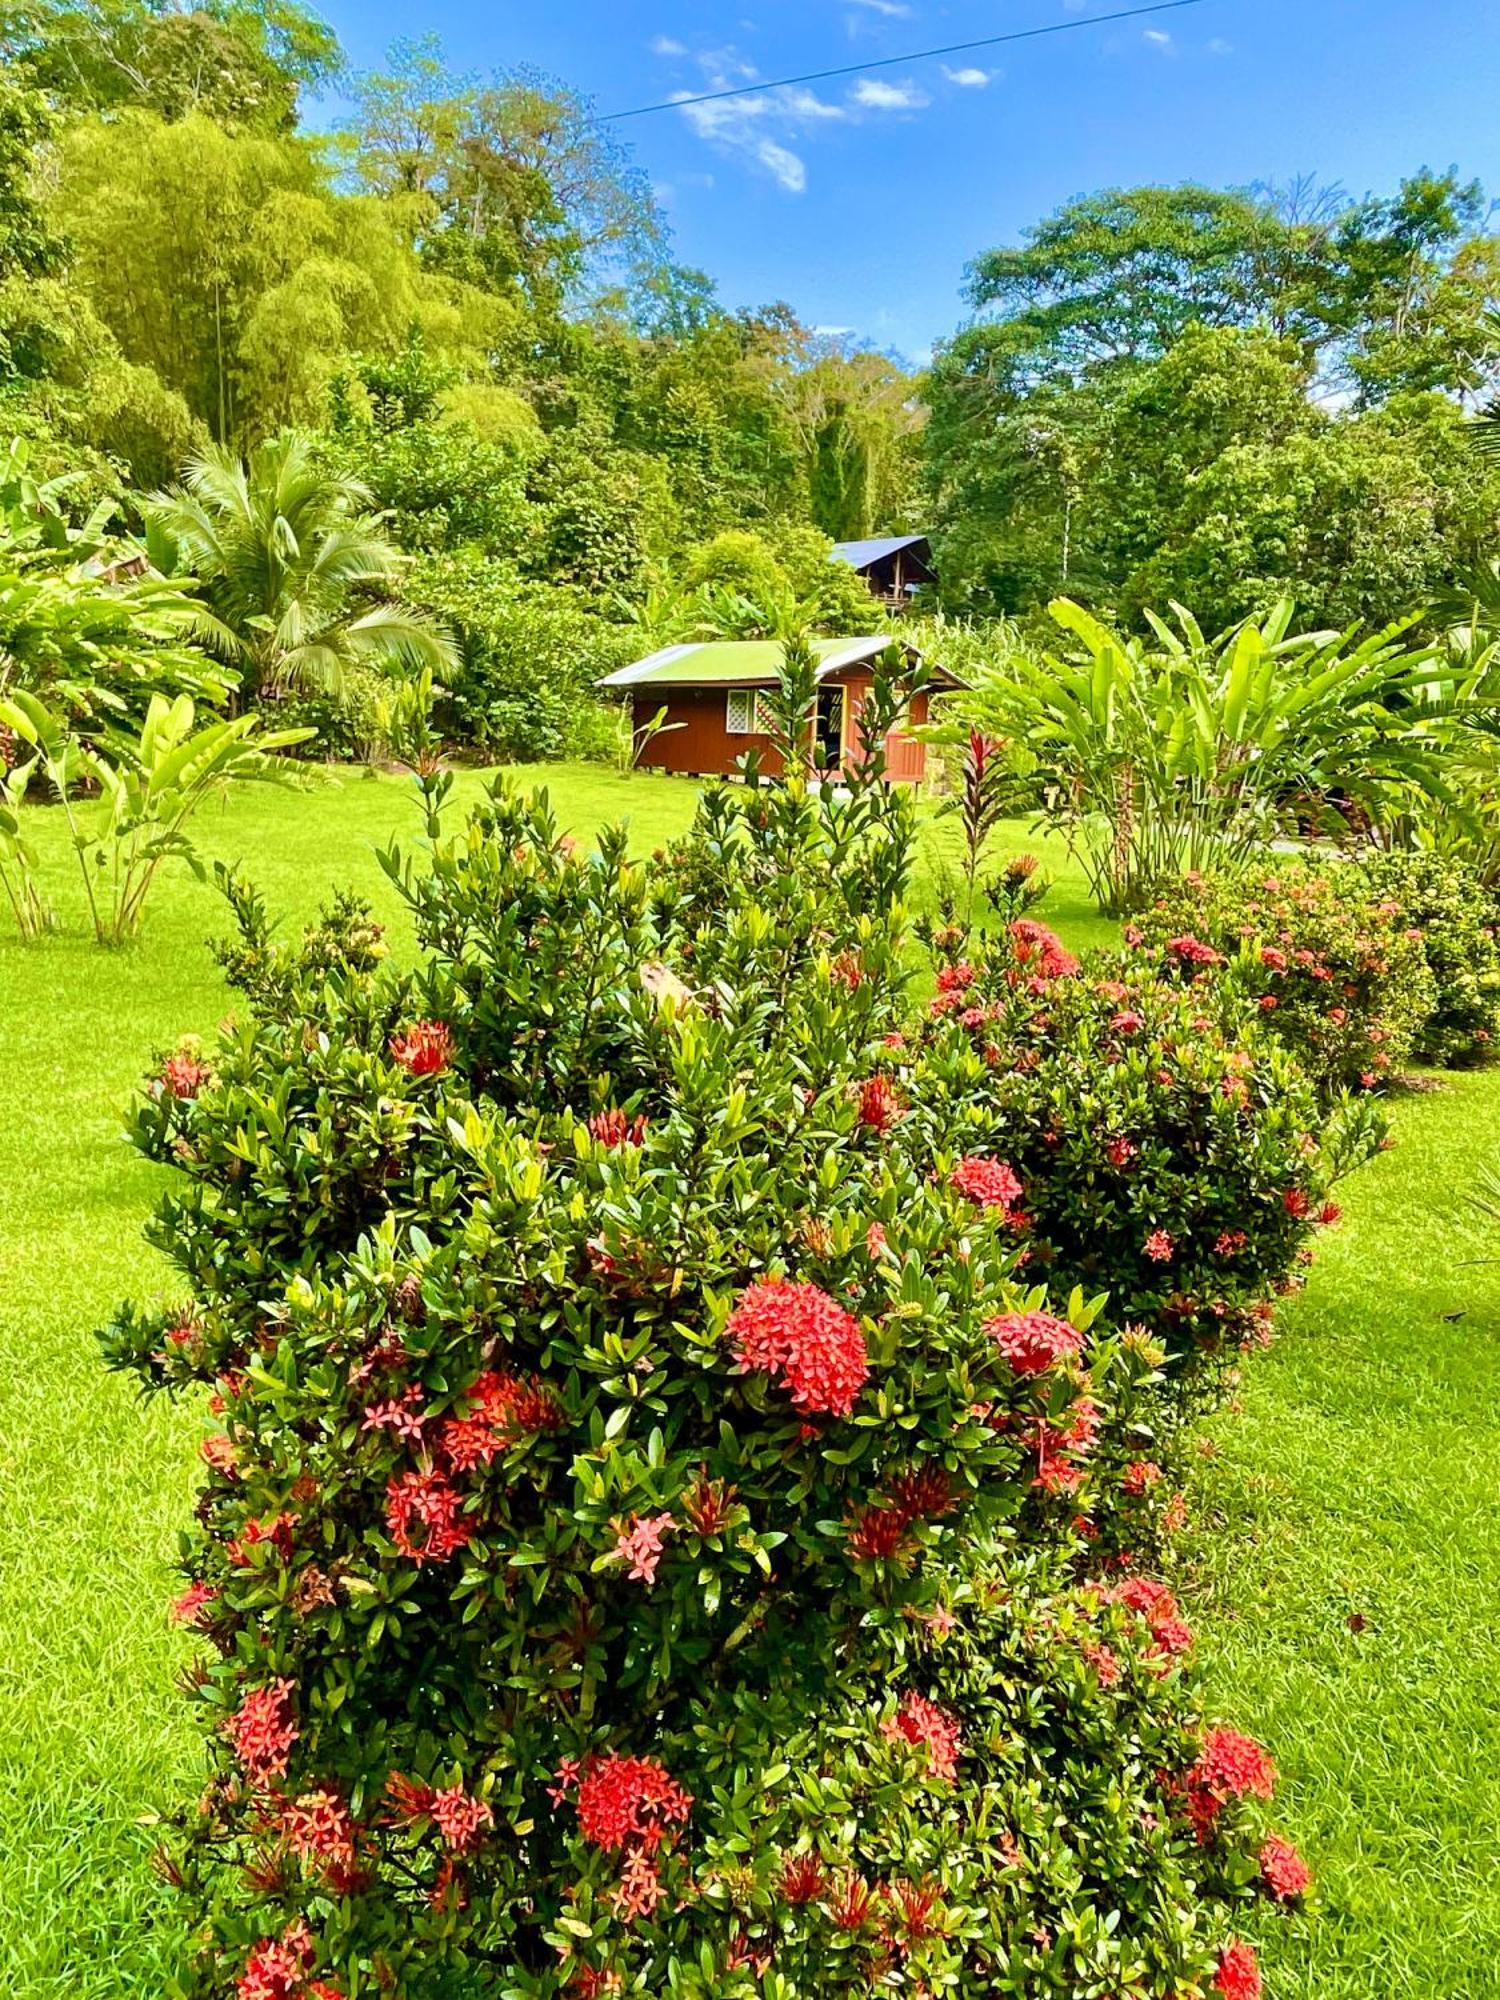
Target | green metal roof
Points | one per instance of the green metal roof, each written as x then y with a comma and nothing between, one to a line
737,662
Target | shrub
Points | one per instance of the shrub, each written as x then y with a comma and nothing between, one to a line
639,1550
1170,1150
529,656
1335,974
1454,916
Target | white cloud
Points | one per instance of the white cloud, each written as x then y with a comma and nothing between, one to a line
873,95
665,46
756,128
893,10
967,79
1157,37
1219,47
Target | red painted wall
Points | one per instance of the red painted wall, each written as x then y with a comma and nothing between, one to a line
703,747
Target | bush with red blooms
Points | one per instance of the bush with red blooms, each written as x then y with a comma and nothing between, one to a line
1332,967
645,1544
1165,1148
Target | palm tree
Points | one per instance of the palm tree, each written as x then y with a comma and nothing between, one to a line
295,571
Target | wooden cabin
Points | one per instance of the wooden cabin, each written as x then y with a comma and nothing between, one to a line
714,697
894,566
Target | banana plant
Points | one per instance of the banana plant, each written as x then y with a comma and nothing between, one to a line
18,862
150,785
1155,754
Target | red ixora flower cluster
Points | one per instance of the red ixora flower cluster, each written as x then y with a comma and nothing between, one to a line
263,1730
1229,1766
183,1075
501,1410
1040,953
278,1969
803,1339
425,1048
626,1802
1154,1602
613,1128
989,1182
1238,1975
1284,1873
425,1517
458,1816
318,1829
924,1725
879,1103
1190,950
1032,1342
879,1533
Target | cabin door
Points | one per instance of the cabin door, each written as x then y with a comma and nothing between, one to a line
829,751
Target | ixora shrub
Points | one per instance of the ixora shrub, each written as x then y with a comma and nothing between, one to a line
1170,1150
1454,916
643,1547
1340,978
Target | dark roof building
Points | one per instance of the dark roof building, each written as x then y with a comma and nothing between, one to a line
894,566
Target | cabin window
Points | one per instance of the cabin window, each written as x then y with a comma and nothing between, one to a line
747,713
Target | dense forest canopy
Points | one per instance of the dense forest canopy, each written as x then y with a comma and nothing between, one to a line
466,301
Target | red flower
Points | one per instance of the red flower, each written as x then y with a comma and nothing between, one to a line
185,1609
502,1409
1032,1342
805,1340
1192,951
1296,1203
1238,1975
1126,1023
1139,1475
879,1103
459,1818
1270,956
1230,1242
1229,1766
318,1829
850,1909
955,978
628,1802
1040,949
1329,1214
1120,1152
424,1515
877,1534
639,1544
923,1724
1282,1869
1158,1246
613,1128
925,1495
989,1182
263,1730
277,1967
425,1048
183,1076
803,1880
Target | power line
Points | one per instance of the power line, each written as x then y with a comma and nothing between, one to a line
895,62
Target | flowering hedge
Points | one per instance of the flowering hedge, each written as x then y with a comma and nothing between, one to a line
1339,976
1454,918
645,1541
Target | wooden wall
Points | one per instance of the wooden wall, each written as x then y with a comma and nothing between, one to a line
703,747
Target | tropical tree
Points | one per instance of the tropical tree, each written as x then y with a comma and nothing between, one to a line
296,571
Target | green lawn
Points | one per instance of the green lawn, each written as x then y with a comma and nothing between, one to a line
1359,1477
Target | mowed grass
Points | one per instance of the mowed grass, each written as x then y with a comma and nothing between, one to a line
1349,1555
1357,1480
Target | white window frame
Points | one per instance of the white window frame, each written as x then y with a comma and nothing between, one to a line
746,712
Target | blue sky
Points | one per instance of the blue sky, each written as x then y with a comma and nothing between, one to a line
860,201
